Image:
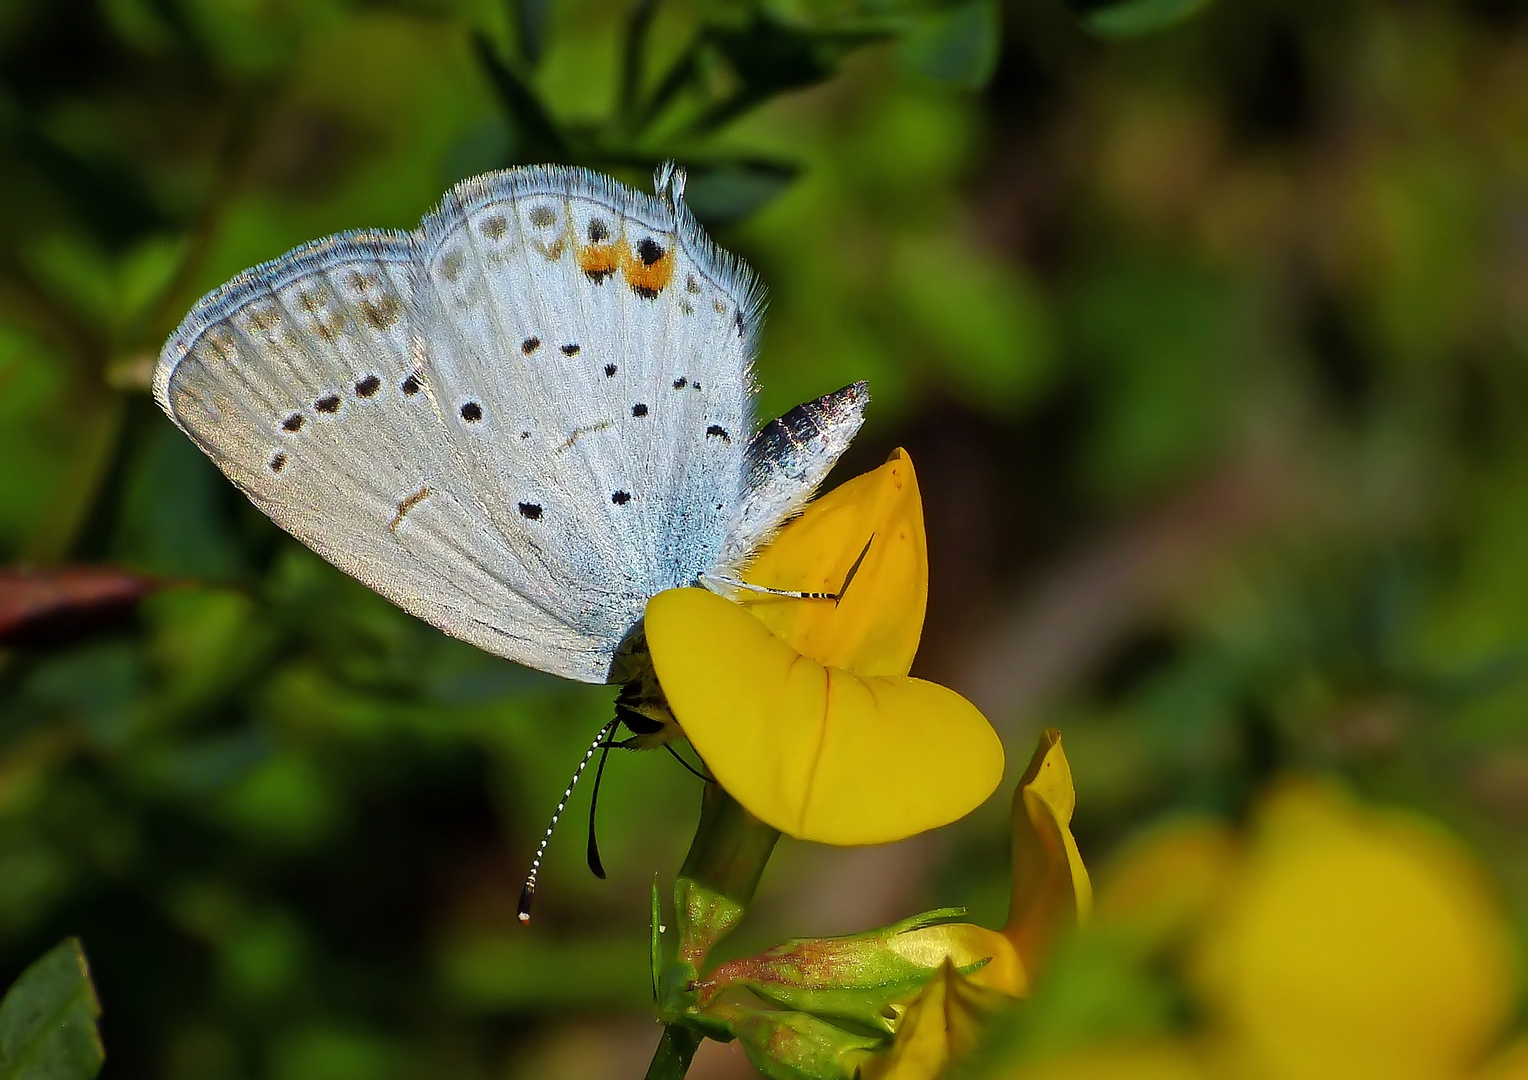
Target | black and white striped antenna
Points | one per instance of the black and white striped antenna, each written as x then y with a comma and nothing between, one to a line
528,893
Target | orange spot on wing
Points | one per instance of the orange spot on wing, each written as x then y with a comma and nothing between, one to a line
647,277
599,261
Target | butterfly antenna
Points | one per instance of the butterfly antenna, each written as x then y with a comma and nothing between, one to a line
592,856
528,893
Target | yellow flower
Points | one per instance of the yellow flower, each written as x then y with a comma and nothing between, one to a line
926,982
941,1025
1335,941
1051,890
802,708
1356,943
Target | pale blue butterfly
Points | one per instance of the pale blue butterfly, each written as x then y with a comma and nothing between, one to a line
518,422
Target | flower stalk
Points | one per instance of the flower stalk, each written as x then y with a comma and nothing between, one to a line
711,894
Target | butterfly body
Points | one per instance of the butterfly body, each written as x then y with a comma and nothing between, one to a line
518,422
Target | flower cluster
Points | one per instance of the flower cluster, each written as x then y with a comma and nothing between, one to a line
1330,940
795,693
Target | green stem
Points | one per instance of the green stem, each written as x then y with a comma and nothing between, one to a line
720,874
675,1049
711,894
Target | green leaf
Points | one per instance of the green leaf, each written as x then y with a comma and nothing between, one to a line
533,26
727,192
47,1020
958,46
1131,18
537,136
770,57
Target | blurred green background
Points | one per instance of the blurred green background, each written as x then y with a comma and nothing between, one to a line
1208,345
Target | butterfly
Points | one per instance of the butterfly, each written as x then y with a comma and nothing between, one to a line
518,422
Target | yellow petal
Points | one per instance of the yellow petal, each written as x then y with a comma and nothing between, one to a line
817,752
1510,1064
1051,891
1164,886
941,1025
874,628
1357,943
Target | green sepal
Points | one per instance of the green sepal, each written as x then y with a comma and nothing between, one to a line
789,1045
655,955
860,979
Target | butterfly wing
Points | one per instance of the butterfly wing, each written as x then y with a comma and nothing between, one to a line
786,461
299,380
517,423
591,350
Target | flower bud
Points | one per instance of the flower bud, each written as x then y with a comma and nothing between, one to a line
865,979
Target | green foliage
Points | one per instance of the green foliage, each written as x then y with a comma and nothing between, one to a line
1129,18
1208,347
48,1020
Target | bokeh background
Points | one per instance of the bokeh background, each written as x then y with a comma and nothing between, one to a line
1208,344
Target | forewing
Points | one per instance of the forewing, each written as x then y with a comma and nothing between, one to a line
591,348
299,379
518,423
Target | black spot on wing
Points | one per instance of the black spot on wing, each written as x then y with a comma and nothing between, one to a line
531,511
293,422
639,409
649,251
620,498
472,412
368,386
328,404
